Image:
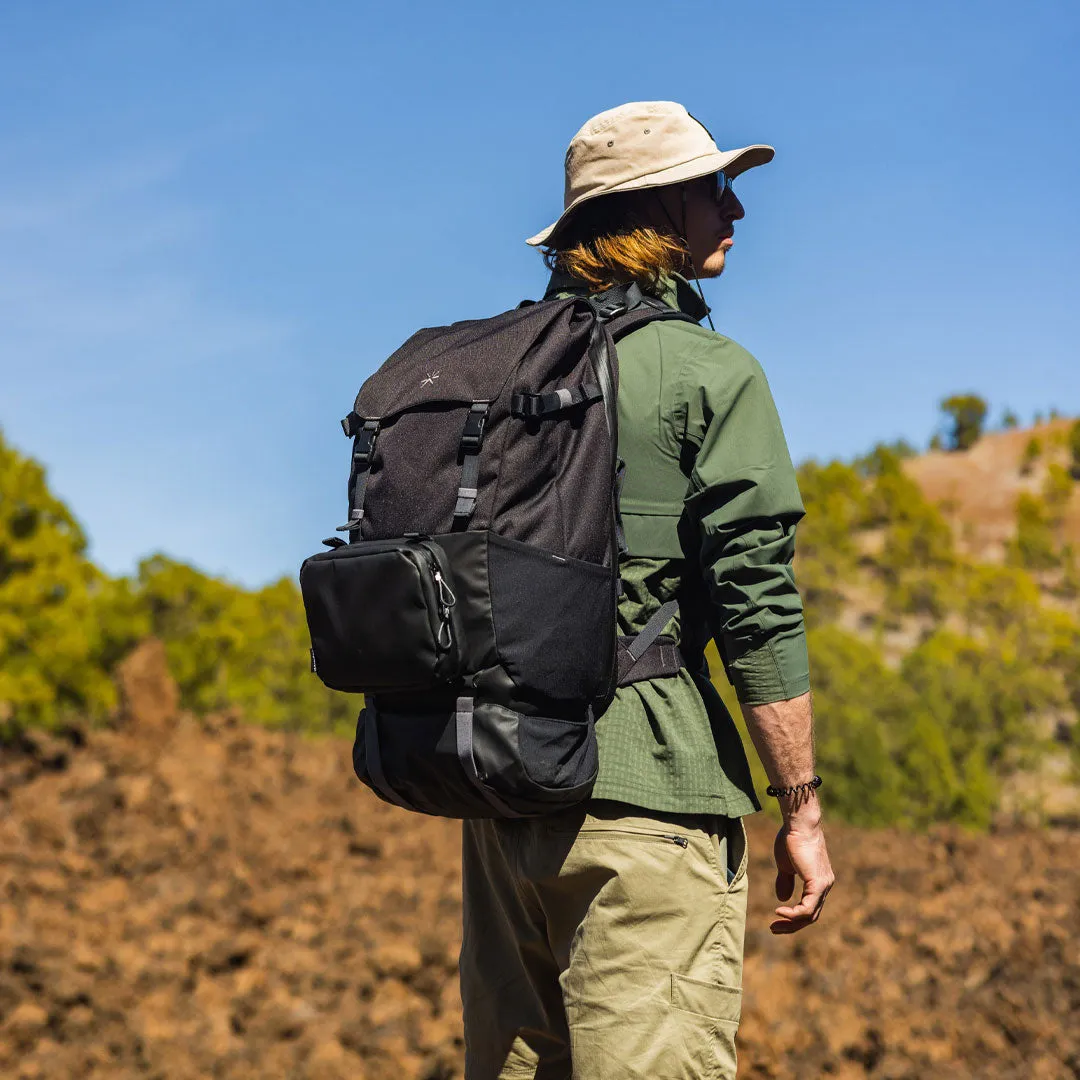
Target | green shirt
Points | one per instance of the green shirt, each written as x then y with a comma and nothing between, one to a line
709,505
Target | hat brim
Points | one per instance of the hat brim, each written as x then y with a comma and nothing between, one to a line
733,162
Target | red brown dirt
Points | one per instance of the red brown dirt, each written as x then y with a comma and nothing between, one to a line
188,898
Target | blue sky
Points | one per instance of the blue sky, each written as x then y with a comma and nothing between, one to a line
216,219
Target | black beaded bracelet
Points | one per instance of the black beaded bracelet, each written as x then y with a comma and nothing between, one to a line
780,792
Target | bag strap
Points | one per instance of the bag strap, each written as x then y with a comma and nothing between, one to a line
662,658
652,630
472,439
463,729
535,406
619,310
364,432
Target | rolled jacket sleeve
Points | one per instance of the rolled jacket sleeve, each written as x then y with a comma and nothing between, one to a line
744,502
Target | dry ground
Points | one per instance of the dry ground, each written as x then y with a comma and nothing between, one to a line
978,488
189,899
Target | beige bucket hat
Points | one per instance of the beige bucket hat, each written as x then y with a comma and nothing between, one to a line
643,144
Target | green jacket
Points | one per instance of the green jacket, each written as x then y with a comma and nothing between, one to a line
709,504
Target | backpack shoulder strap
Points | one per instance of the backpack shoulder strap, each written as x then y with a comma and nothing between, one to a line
618,311
625,308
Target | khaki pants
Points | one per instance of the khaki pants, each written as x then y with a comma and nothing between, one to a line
605,945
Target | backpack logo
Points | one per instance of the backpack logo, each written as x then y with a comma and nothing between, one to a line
429,379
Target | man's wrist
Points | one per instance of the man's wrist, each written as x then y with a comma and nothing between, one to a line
805,816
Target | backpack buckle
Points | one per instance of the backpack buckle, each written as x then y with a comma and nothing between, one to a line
364,449
616,301
472,438
611,309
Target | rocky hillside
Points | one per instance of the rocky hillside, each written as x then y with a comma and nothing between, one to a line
978,488
185,898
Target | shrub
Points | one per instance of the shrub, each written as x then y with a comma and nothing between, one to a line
883,457
1031,454
1057,489
852,691
836,507
884,749
983,692
996,597
1074,450
917,534
1034,546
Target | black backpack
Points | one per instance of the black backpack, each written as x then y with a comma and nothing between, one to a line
475,603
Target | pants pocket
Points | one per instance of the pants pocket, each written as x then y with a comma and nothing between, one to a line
729,849
714,1000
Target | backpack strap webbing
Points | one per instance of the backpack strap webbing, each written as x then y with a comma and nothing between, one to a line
626,308
619,310
649,310
663,657
472,438
463,730
363,431
533,406
641,657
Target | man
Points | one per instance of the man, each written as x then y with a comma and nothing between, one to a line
607,942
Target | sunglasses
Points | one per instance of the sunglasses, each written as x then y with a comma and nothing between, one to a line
723,185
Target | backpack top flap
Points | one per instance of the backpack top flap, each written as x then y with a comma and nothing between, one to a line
473,360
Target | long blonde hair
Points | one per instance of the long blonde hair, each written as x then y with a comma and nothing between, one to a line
607,243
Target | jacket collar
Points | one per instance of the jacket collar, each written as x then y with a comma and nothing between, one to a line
675,291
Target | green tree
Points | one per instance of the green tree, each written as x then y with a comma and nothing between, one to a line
827,554
1010,420
55,645
967,412
230,647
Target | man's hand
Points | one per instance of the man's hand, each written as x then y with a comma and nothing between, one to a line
800,851
783,732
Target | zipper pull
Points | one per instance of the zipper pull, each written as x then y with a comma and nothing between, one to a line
680,840
446,595
447,600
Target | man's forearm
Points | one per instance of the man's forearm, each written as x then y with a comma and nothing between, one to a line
783,734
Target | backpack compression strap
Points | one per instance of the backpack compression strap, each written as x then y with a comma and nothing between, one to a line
648,655
472,438
363,432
